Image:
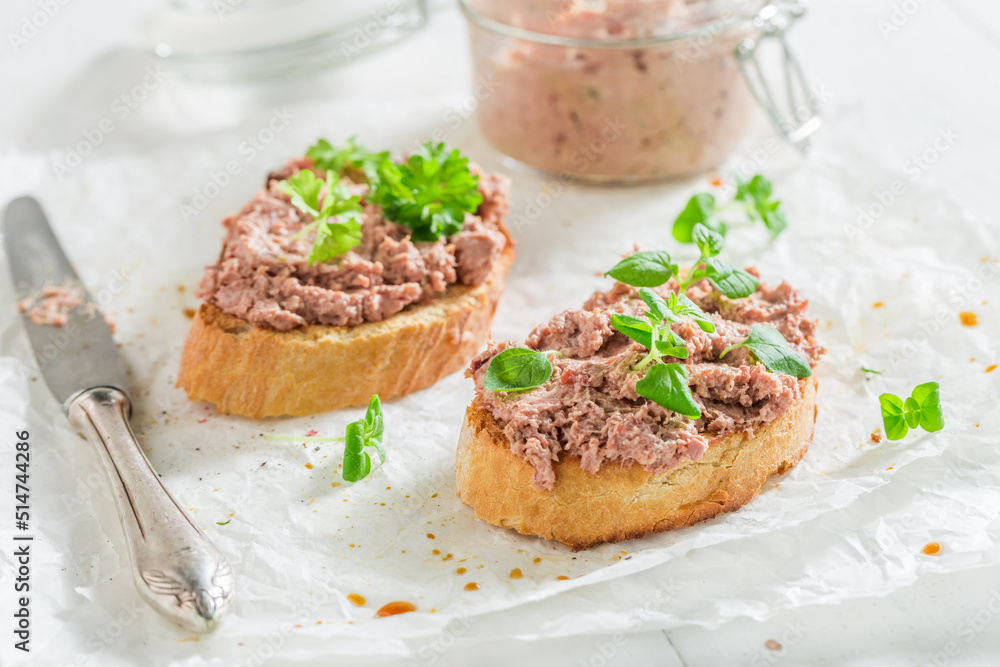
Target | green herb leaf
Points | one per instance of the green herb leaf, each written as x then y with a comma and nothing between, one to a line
517,369
373,426
337,220
644,269
223,523
658,308
870,370
682,306
756,193
770,348
922,408
636,328
892,417
667,384
352,160
672,345
709,242
430,193
357,463
733,283
928,398
700,210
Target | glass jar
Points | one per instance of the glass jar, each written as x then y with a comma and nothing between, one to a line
625,90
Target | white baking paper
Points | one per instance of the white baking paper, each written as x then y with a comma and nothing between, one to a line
844,523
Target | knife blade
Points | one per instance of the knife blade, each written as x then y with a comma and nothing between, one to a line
176,569
86,355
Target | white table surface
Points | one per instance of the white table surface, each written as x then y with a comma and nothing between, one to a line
938,70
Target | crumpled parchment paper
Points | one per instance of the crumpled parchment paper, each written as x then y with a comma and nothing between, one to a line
887,291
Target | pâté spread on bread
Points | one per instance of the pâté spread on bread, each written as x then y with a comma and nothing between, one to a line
646,377
349,265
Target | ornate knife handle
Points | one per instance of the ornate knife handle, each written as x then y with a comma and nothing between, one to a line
176,569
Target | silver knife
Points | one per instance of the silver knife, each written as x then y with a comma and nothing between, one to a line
176,569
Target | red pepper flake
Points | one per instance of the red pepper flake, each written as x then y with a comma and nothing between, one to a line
202,421
311,432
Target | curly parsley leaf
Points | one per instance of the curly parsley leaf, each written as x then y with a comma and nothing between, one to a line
337,220
352,159
667,384
700,209
430,193
517,369
644,269
770,348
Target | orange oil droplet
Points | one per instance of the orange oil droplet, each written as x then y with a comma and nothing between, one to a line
562,577
357,600
991,368
932,548
515,573
471,586
393,608
968,318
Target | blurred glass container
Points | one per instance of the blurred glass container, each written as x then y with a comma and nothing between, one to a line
630,90
232,40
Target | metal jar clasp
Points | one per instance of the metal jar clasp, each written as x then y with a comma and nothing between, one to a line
801,118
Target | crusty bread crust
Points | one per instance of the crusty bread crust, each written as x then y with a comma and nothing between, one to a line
259,372
624,501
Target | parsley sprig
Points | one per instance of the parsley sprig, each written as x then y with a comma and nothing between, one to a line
753,202
337,219
430,193
352,159
922,409
360,436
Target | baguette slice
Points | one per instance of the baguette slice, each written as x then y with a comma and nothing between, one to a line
624,501
259,372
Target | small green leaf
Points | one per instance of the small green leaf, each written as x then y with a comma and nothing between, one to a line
351,160
657,306
893,421
517,369
928,397
357,464
644,269
636,328
870,370
733,283
303,187
770,348
684,307
374,426
911,412
223,523
709,242
667,384
700,210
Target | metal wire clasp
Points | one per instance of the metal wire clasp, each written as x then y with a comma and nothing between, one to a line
802,117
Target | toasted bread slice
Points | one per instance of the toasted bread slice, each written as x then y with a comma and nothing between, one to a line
259,372
624,501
